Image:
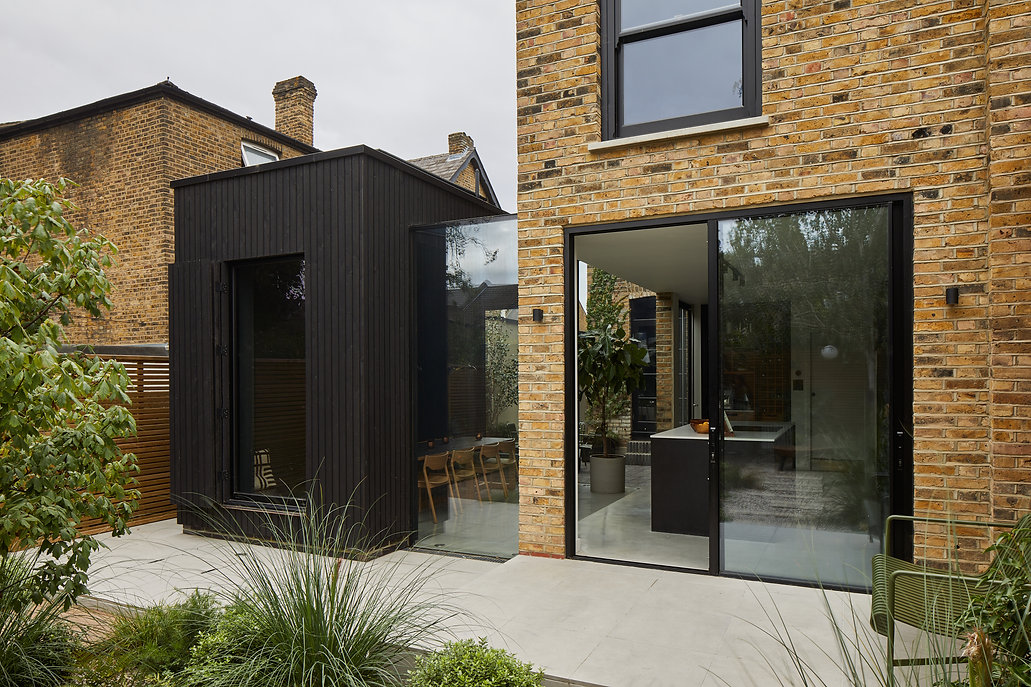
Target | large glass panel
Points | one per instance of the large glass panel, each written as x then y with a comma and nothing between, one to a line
682,74
804,346
268,301
643,495
467,459
638,13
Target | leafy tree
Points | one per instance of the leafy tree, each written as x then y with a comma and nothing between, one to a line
60,412
500,370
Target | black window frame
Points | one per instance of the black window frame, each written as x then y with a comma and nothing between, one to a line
613,40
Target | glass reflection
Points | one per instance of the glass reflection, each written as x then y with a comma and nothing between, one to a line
639,13
804,392
269,309
467,387
682,74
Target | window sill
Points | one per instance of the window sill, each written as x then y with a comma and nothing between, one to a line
616,143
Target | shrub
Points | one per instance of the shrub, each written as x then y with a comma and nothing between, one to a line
473,664
304,615
37,648
158,639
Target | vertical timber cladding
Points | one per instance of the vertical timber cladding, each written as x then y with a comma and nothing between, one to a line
349,213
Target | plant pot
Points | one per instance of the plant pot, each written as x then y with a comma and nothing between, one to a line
608,474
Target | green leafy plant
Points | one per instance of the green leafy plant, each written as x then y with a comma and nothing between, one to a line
473,664
158,639
313,611
998,622
37,648
60,413
610,366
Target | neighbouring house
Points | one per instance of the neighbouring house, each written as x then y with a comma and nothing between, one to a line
123,152
460,165
818,217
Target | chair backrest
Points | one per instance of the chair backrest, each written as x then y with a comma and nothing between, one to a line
463,457
435,461
507,447
489,451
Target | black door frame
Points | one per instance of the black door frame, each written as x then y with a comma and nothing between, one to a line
900,355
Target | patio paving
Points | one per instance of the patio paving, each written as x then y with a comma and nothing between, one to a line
585,623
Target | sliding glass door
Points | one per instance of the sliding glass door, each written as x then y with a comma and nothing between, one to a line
804,393
778,382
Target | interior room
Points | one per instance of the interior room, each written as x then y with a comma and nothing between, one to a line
780,394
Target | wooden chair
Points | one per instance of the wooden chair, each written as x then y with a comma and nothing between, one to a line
509,458
463,466
434,474
490,461
930,600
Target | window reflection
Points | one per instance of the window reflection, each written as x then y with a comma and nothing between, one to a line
467,387
269,312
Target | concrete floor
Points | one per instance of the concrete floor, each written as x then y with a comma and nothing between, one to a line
583,622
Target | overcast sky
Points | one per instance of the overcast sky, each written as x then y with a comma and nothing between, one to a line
393,74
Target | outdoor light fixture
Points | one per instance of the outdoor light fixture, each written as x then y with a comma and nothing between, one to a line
952,295
829,352
538,315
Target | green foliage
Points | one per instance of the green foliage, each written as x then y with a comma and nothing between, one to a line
1003,613
610,365
37,648
159,639
59,462
602,308
473,664
309,614
501,371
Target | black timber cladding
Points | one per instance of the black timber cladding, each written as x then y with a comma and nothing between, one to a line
349,212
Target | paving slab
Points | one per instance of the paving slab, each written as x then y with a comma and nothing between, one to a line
585,623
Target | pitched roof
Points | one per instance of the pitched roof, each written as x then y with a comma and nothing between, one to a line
164,89
444,165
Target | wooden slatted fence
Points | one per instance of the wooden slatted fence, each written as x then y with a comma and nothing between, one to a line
149,395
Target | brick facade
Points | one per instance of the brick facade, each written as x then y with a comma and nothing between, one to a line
863,97
123,159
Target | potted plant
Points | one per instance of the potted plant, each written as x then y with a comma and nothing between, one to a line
610,364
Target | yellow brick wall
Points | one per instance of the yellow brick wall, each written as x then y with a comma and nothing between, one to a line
123,162
863,97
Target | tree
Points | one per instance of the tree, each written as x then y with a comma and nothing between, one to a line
610,363
60,412
500,370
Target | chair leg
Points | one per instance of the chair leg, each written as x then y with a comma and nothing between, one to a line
501,474
486,484
429,495
457,491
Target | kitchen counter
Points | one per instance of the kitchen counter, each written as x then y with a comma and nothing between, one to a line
680,471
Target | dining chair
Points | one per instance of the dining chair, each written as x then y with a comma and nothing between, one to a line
463,466
490,461
509,458
434,474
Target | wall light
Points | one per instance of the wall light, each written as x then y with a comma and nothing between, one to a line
538,315
952,295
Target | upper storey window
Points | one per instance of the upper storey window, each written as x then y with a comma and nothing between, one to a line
254,154
670,64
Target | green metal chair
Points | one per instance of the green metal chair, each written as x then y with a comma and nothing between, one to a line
930,600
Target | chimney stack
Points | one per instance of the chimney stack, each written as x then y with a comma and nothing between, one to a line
295,108
459,142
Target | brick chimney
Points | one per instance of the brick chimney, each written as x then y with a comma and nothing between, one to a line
295,108
459,142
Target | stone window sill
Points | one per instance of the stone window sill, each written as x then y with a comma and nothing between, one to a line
617,143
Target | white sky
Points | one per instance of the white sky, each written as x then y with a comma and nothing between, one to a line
393,74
